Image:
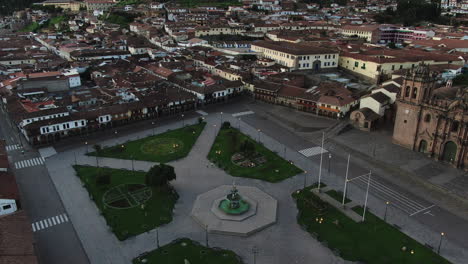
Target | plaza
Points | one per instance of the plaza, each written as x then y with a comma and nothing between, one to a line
283,242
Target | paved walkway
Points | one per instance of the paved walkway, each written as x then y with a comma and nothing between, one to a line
285,242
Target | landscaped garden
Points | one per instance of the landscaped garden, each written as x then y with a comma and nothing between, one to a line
165,147
187,251
131,202
241,156
372,242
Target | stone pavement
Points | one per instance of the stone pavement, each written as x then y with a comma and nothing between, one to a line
284,242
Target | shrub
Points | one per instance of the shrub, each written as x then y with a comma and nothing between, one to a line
226,125
200,120
103,179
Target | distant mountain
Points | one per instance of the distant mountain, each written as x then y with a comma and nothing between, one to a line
7,7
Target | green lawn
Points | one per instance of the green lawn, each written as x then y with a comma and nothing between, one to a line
186,249
157,148
127,190
228,141
337,195
372,242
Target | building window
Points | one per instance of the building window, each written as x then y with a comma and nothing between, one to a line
415,92
427,118
407,91
455,126
356,64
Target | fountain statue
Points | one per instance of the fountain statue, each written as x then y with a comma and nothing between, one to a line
234,204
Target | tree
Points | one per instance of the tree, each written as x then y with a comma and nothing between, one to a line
103,179
248,148
160,175
226,125
97,148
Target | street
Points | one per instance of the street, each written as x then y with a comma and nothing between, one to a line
56,239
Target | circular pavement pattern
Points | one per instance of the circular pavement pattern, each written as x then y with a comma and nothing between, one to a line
127,196
162,146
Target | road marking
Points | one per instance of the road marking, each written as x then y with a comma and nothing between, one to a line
12,147
49,222
396,199
309,152
424,209
29,163
203,113
429,213
243,113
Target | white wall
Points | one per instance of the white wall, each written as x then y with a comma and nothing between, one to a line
7,206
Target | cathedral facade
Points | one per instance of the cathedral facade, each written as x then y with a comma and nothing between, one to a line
432,120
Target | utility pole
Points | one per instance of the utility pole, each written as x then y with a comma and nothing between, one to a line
346,181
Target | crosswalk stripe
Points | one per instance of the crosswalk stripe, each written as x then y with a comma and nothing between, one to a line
58,219
66,217
61,219
33,227
45,223
40,224
37,226
32,162
29,163
50,222
309,152
53,220
243,113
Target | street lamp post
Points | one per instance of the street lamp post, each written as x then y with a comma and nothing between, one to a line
157,238
254,252
206,235
183,120
321,161
153,126
238,123
214,131
329,161
440,242
133,165
305,179
74,154
221,118
86,143
385,214
258,135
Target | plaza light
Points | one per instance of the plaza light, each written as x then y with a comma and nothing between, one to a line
385,214
346,181
442,234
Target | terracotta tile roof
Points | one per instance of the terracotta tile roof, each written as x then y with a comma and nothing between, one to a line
16,239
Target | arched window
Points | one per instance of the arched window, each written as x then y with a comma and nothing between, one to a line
427,118
407,91
415,92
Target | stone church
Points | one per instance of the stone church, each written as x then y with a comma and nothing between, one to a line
432,120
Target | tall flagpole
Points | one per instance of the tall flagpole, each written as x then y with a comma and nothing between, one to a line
367,195
346,181
321,160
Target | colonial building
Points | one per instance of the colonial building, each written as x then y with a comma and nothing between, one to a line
297,56
432,121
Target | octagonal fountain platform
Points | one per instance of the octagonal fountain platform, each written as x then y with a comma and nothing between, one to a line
260,214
